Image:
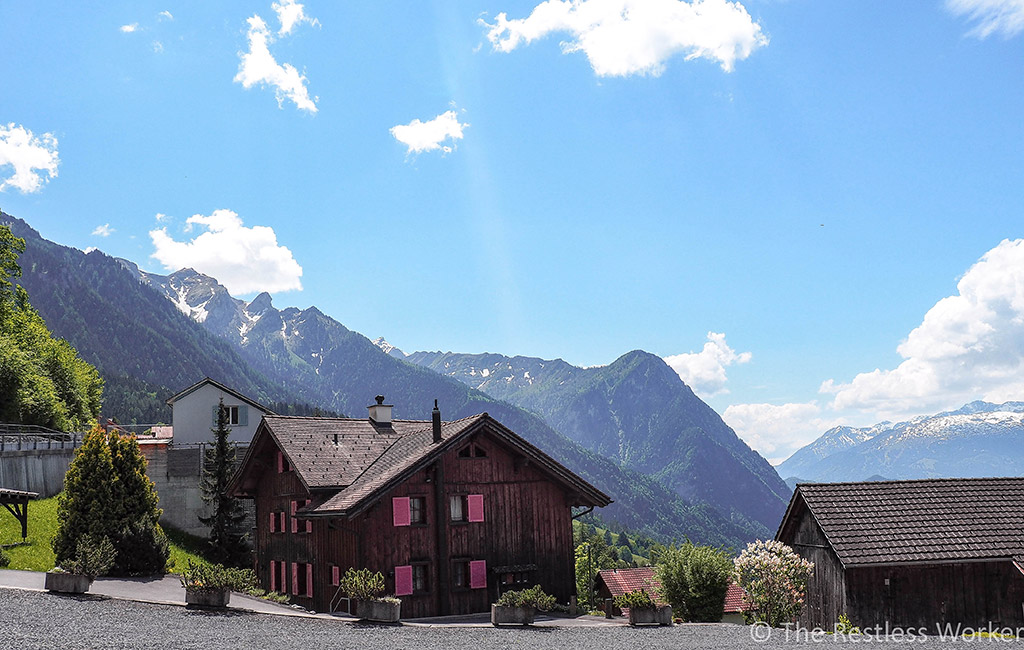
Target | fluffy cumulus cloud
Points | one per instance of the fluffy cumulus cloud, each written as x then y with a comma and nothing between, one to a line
244,259
777,430
705,371
32,158
103,231
431,135
1004,17
290,14
258,67
627,37
128,29
968,346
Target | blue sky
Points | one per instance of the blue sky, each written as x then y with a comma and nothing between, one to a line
779,197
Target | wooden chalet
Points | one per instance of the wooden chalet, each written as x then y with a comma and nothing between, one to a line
452,513
911,553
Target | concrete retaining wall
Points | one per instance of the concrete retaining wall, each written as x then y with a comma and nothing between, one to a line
35,470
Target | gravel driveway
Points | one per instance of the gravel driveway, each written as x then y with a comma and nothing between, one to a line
39,620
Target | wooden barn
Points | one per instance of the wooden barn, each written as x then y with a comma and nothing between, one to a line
451,513
911,554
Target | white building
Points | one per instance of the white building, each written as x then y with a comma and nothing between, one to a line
195,413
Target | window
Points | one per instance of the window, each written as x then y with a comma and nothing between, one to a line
418,510
472,451
479,452
237,415
302,579
458,507
419,579
460,574
278,577
282,463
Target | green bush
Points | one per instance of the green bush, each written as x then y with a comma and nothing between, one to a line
636,599
4,559
94,556
142,549
532,597
362,584
199,576
694,580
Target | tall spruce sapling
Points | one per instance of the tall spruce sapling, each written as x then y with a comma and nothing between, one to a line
227,536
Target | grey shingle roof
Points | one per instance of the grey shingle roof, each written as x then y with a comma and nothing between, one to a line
368,458
919,521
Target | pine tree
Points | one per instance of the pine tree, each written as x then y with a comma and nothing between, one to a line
108,494
227,539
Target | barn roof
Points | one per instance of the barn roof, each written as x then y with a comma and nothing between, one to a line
900,522
347,461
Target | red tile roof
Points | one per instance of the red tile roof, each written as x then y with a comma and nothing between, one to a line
623,581
735,600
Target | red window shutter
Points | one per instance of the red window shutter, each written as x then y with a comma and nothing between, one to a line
476,507
478,574
403,580
400,511
295,522
273,522
295,578
280,462
273,575
335,575
309,580
309,522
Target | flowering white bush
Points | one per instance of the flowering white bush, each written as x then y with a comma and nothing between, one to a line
775,579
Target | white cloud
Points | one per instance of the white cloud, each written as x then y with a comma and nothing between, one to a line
776,431
103,231
991,16
128,29
969,346
161,217
291,13
33,158
626,37
258,67
428,136
243,259
704,371
165,15
158,47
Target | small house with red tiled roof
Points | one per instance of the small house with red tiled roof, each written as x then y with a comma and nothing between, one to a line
617,582
911,554
452,513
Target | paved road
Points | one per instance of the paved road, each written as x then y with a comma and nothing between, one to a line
31,620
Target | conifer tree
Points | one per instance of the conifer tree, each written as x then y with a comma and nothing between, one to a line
227,538
108,494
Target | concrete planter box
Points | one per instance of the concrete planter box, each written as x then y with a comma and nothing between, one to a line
378,610
646,616
502,615
67,583
218,598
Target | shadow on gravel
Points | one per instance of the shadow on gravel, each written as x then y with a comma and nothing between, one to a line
210,612
82,598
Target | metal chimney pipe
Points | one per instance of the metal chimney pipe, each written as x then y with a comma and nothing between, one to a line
435,417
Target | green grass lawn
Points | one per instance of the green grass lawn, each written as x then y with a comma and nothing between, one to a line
36,554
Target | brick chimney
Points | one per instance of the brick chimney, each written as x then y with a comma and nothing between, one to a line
380,413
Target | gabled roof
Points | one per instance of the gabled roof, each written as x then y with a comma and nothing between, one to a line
370,458
933,520
623,581
206,380
736,601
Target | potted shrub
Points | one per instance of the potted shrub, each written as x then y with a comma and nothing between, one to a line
365,588
207,585
643,609
93,557
520,606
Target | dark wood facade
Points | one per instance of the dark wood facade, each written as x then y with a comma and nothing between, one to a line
525,537
896,591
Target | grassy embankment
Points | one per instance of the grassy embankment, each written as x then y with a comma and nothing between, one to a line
36,554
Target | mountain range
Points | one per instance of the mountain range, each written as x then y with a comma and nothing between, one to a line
150,335
637,411
979,439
